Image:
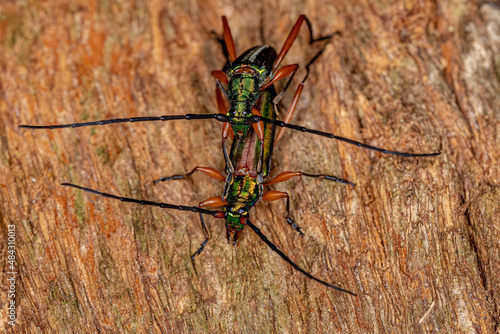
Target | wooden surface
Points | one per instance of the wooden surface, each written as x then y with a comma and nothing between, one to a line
417,239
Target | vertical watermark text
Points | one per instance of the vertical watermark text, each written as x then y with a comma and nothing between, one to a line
11,274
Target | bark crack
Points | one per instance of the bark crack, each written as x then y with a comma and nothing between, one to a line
483,272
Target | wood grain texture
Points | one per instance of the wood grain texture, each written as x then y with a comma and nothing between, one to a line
417,239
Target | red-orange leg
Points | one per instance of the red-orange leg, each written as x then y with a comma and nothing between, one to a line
290,111
228,39
274,195
288,42
285,176
258,126
293,35
259,129
227,130
221,103
220,76
298,92
282,73
213,202
282,177
286,70
213,173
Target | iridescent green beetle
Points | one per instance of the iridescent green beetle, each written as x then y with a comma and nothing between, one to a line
247,155
251,118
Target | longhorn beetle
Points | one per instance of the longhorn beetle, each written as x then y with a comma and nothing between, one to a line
245,190
251,120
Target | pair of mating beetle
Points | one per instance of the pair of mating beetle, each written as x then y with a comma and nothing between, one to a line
247,82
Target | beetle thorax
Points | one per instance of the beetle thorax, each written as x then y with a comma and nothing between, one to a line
243,87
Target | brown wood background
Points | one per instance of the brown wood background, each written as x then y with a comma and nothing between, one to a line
417,239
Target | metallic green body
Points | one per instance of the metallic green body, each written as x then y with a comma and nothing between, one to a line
243,88
242,93
243,194
245,152
247,74
245,189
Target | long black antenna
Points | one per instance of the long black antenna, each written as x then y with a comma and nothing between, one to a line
132,200
284,257
219,117
255,119
224,118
